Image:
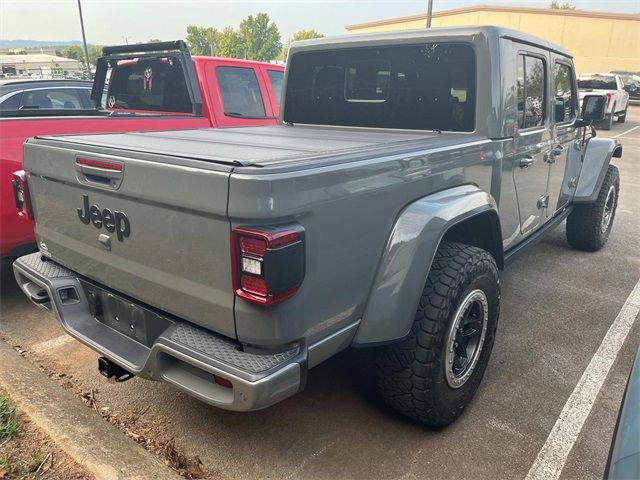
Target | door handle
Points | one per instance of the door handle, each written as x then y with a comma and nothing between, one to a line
526,162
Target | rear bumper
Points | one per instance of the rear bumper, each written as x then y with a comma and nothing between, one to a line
179,352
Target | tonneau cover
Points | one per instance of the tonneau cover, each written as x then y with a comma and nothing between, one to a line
259,146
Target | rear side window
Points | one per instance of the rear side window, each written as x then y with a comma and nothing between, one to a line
564,101
157,85
531,75
12,102
70,99
240,92
53,98
276,77
428,86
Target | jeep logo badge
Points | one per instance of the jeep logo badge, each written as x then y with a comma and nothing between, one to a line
112,221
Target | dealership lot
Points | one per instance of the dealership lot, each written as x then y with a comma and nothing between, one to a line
557,306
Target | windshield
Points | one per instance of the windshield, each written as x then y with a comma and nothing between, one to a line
627,79
601,82
424,87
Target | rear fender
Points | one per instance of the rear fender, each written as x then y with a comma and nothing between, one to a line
597,156
408,255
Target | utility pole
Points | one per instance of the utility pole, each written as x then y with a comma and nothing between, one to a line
126,39
429,12
84,41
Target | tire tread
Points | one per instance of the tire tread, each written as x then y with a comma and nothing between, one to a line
406,371
583,223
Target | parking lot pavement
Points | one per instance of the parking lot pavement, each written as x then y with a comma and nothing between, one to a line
557,306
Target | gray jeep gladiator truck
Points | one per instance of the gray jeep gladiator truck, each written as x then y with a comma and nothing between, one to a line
408,168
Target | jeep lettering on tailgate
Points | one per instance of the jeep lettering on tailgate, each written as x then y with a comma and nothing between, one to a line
112,221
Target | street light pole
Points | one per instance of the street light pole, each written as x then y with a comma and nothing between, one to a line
84,41
429,12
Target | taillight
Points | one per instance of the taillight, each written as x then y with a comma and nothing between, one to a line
609,96
21,193
267,263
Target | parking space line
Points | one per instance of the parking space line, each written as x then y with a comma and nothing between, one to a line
553,454
49,344
628,131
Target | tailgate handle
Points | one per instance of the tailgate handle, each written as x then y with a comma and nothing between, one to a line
100,172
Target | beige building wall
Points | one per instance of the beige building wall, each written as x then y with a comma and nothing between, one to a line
599,42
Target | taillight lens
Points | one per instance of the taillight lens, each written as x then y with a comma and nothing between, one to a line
609,96
21,193
267,263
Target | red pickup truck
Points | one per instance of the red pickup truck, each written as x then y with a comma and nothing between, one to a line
151,87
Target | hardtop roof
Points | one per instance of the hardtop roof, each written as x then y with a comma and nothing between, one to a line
431,34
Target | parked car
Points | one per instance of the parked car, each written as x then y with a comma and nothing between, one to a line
45,94
404,176
624,456
631,84
612,88
151,87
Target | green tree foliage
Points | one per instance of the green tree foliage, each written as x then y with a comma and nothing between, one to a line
260,37
74,52
154,40
95,51
229,43
556,5
299,35
306,35
201,40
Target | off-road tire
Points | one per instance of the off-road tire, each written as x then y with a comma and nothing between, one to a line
622,117
584,223
410,375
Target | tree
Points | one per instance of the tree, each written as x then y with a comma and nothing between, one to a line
201,40
306,35
260,37
229,43
95,51
154,40
74,52
556,5
299,35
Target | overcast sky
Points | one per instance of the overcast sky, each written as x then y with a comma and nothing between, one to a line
110,21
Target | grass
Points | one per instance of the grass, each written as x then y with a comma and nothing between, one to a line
9,427
9,422
17,466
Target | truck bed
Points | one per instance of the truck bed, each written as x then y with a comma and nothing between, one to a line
264,146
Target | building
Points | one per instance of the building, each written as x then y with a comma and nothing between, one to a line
39,65
599,41
28,50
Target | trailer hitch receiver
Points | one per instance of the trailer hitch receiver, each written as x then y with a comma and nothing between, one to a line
110,370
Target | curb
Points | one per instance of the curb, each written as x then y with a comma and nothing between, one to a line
81,432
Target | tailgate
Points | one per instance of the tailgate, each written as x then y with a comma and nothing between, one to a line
149,227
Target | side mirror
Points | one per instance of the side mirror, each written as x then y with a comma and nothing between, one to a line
593,108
